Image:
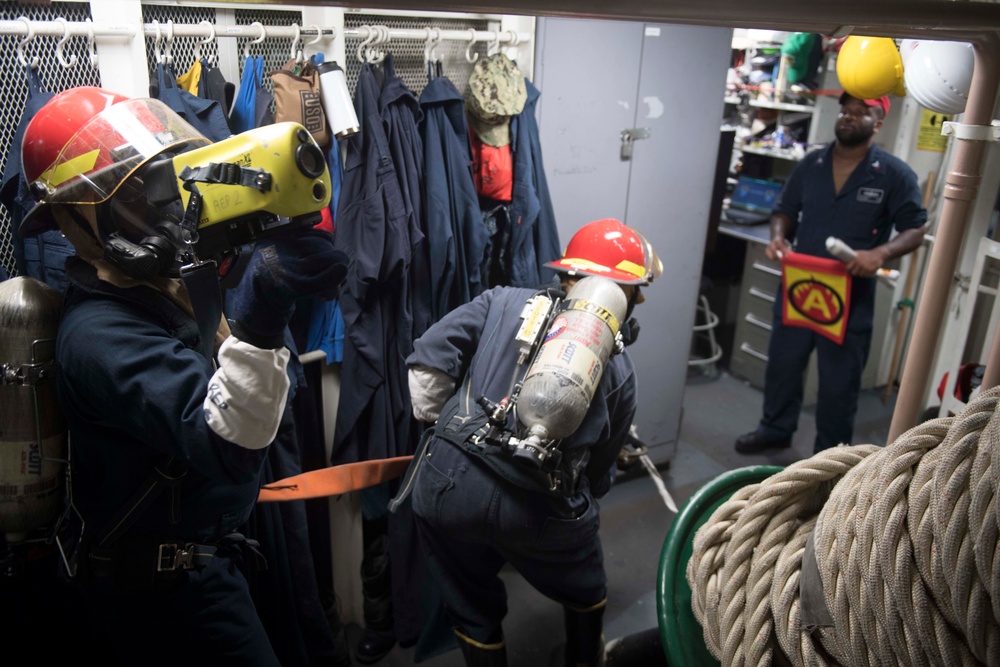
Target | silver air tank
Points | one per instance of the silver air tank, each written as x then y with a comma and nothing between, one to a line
560,383
32,429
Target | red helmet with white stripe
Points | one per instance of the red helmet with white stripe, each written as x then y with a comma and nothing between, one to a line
611,249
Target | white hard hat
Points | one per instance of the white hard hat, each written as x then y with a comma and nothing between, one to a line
938,74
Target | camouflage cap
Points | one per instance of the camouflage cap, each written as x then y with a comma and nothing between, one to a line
495,133
496,89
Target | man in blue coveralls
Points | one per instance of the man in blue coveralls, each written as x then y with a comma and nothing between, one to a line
476,506
853,190
170,412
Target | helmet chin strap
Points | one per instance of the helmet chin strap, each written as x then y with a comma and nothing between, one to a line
630,327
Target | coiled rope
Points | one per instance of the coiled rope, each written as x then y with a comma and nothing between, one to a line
906,541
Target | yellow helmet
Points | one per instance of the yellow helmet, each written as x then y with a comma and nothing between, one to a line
870,67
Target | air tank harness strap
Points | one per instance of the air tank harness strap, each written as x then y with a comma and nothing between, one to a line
452,420
411,471
167,474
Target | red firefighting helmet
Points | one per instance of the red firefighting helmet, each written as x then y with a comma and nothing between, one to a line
85,142
611,249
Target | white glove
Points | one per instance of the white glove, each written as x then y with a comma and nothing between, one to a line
430,389
247,395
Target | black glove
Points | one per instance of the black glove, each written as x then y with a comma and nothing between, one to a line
283,269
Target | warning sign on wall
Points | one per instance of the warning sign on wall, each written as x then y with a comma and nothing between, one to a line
929,138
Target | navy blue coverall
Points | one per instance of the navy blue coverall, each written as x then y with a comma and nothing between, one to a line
132,381
471,518
534,237
401,114
456,236
881,193
373,416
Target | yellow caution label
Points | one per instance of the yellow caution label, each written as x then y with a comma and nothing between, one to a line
929,137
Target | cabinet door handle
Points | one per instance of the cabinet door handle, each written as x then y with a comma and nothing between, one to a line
745,347
761,295
757,322
766,269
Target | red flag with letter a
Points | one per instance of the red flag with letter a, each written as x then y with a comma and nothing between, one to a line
816,294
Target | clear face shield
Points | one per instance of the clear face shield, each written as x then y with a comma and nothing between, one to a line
104,165
653,263
112,146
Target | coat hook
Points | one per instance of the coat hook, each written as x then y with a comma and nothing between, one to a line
469,55
207,40
297,43
92,44
30,35
319,35
256,40
365,42
383,40
375,55
494,46
168,57
432,43
156,42
62,41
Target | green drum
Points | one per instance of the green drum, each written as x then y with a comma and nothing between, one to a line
680,632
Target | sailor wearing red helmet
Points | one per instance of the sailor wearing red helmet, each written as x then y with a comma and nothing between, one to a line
479,505
170,411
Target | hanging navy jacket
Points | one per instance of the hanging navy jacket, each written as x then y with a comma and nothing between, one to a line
457,237
42,256
400,112
206,116
374,412
534,237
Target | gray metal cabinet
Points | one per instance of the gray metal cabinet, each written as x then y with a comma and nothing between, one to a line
598,79
758,287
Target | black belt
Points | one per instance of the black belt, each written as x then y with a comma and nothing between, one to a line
143,563
165,557
147,564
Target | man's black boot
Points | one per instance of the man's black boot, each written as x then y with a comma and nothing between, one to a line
376,586
585,635
477,654
374,646
755,442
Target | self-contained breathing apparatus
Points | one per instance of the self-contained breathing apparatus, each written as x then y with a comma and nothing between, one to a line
564,343
168,201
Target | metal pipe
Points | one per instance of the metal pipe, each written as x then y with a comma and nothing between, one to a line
991,377
961,187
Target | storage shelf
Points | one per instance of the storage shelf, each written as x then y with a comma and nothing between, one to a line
781,106
770,152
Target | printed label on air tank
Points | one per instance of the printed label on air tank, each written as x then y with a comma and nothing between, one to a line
558,326
571,362
24,463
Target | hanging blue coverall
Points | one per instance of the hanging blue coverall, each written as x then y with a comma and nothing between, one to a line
401,114
457,237
374,411
41,256
535,238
